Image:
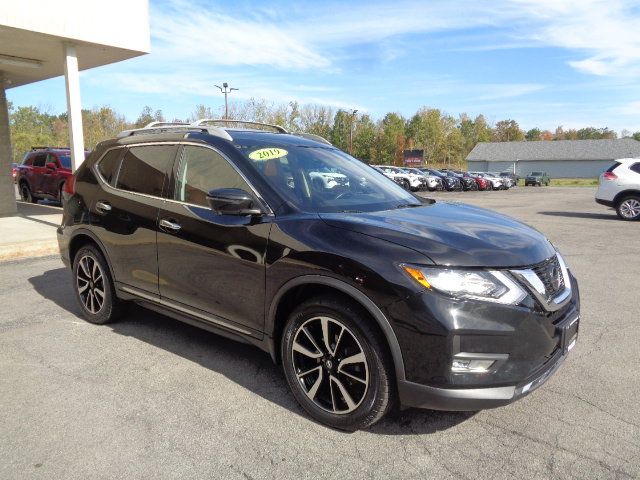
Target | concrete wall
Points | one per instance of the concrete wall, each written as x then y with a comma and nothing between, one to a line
555,168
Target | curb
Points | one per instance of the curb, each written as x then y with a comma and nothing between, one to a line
16,251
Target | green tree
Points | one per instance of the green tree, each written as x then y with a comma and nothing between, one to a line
636,136
533,134
147,116
392,139
364,134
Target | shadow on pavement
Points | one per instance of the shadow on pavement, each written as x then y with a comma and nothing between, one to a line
244,364
592,216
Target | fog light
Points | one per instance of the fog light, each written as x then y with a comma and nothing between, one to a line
471,366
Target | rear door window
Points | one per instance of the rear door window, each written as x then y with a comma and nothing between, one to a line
109,164
144,169
39,160
635,167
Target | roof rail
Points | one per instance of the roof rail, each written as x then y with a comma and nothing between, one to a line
185,127
164,124
202,121
312,136
52,148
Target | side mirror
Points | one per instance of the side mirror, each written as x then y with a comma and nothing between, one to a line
233,201
51,166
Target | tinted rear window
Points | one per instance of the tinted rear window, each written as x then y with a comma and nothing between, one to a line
144,169
108,166
613,167
635,167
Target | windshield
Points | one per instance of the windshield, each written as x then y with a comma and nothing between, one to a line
299,174
536,174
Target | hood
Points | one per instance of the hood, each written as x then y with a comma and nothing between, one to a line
452,234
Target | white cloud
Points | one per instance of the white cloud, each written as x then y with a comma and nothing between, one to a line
187,85
604,34
208,36
505,90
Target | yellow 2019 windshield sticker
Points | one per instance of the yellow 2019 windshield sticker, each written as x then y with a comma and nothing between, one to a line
268,154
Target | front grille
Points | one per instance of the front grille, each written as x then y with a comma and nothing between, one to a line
550,274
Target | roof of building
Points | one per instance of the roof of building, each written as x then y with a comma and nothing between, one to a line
555,150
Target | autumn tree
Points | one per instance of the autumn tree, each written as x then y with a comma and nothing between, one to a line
507,131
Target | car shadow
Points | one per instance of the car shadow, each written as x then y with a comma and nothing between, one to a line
244,364
592,216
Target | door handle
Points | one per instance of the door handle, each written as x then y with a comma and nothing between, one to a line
169,225
103,207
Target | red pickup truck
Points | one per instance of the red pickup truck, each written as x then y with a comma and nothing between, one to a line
42,173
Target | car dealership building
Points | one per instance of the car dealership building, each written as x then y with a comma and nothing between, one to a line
560,159
40,39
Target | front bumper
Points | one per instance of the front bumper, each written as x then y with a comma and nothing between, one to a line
472,399
528,342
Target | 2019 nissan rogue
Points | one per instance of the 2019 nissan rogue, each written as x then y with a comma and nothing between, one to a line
367,295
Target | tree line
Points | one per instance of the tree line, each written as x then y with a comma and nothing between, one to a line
445,139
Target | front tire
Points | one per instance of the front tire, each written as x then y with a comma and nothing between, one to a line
94,288
336,364
629,208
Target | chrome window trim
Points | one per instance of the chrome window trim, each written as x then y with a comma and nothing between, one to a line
178,143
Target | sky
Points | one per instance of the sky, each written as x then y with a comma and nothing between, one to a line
543,63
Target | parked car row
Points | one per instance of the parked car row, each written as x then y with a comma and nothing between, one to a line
431,179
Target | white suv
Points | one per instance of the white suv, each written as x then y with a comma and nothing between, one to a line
619,187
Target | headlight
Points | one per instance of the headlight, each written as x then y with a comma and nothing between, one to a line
490,286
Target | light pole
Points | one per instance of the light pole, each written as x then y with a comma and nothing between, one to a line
226,90
353,115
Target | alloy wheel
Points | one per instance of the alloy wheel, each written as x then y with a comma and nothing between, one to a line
330,365
630,208
90,284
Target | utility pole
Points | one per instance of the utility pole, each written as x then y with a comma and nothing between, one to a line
226,90
353,115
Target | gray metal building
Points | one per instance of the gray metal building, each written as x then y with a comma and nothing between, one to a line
560,159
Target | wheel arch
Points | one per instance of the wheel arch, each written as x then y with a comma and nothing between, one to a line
625,193
84,237
276,316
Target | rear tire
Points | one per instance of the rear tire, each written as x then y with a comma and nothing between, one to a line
336,364
629,208
94,288
25,193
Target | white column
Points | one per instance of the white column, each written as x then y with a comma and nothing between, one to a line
7,192
74,109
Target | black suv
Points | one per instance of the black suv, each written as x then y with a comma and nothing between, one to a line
367,295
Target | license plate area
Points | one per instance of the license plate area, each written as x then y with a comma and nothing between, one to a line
569,334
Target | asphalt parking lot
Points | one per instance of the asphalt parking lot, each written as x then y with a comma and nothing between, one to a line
149,397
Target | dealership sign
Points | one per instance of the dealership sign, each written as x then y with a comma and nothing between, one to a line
413,158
